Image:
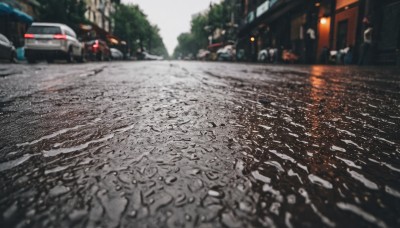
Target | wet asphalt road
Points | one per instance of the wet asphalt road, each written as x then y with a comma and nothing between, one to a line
185,144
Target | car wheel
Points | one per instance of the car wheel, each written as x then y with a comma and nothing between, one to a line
82,58
31,60
13,58
70,56
263,58
100,56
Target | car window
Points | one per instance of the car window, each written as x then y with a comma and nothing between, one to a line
91,42
70,33
45,30
67,32
3,38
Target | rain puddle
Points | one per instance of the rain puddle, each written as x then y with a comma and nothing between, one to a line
260,177
319,181
367,183
385,164
283,156
57,169
349,163
365,215
55,134
55,152
336,148
349,142
14,163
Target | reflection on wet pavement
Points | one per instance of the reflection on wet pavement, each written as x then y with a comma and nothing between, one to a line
176,144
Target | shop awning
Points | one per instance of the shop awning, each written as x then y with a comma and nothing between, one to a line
5,8
16,14
216,45
277,9
21,16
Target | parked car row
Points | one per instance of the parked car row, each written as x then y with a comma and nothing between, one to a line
147,56
54,41
217,52
7,50
116,54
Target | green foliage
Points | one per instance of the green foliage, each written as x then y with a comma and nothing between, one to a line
132,25
69,12
187,45
203,26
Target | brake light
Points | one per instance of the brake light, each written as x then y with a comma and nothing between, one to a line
96,44
60,37
29,36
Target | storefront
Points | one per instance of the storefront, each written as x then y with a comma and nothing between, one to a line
386,24
345,24
14,23
266,26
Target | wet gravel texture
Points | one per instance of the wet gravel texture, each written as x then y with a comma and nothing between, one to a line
185,144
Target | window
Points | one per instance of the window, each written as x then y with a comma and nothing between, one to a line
46,30
341,40
70,33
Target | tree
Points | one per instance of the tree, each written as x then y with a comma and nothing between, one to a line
132,25
69,12
203,26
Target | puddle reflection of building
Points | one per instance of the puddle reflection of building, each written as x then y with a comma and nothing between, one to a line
318,83
326,97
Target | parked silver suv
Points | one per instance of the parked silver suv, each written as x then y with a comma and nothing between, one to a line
52,41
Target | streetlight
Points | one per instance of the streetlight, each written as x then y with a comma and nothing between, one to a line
323,21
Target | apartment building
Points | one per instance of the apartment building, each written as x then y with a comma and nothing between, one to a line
99,12
312,29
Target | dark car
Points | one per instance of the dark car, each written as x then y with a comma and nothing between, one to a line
116,54
7,49
97,50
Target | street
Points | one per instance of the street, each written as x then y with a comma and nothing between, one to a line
199,144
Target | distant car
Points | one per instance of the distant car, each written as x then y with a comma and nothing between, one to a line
97,50
7,49
147,56
203,54
116,54
267,55
51,41
226,53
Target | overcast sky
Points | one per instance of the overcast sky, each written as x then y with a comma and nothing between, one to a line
172,16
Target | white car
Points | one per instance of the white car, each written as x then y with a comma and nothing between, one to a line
267,55
147,56
116,54
50,41
226,53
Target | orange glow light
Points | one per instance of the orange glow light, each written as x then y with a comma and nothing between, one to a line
252,39
323,21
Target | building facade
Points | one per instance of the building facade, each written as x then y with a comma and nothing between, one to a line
15,18
99,13
321,31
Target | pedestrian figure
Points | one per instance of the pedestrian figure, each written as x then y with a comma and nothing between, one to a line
348,57
310,45
366,47
324,58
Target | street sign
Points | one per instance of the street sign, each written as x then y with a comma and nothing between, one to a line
262,8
